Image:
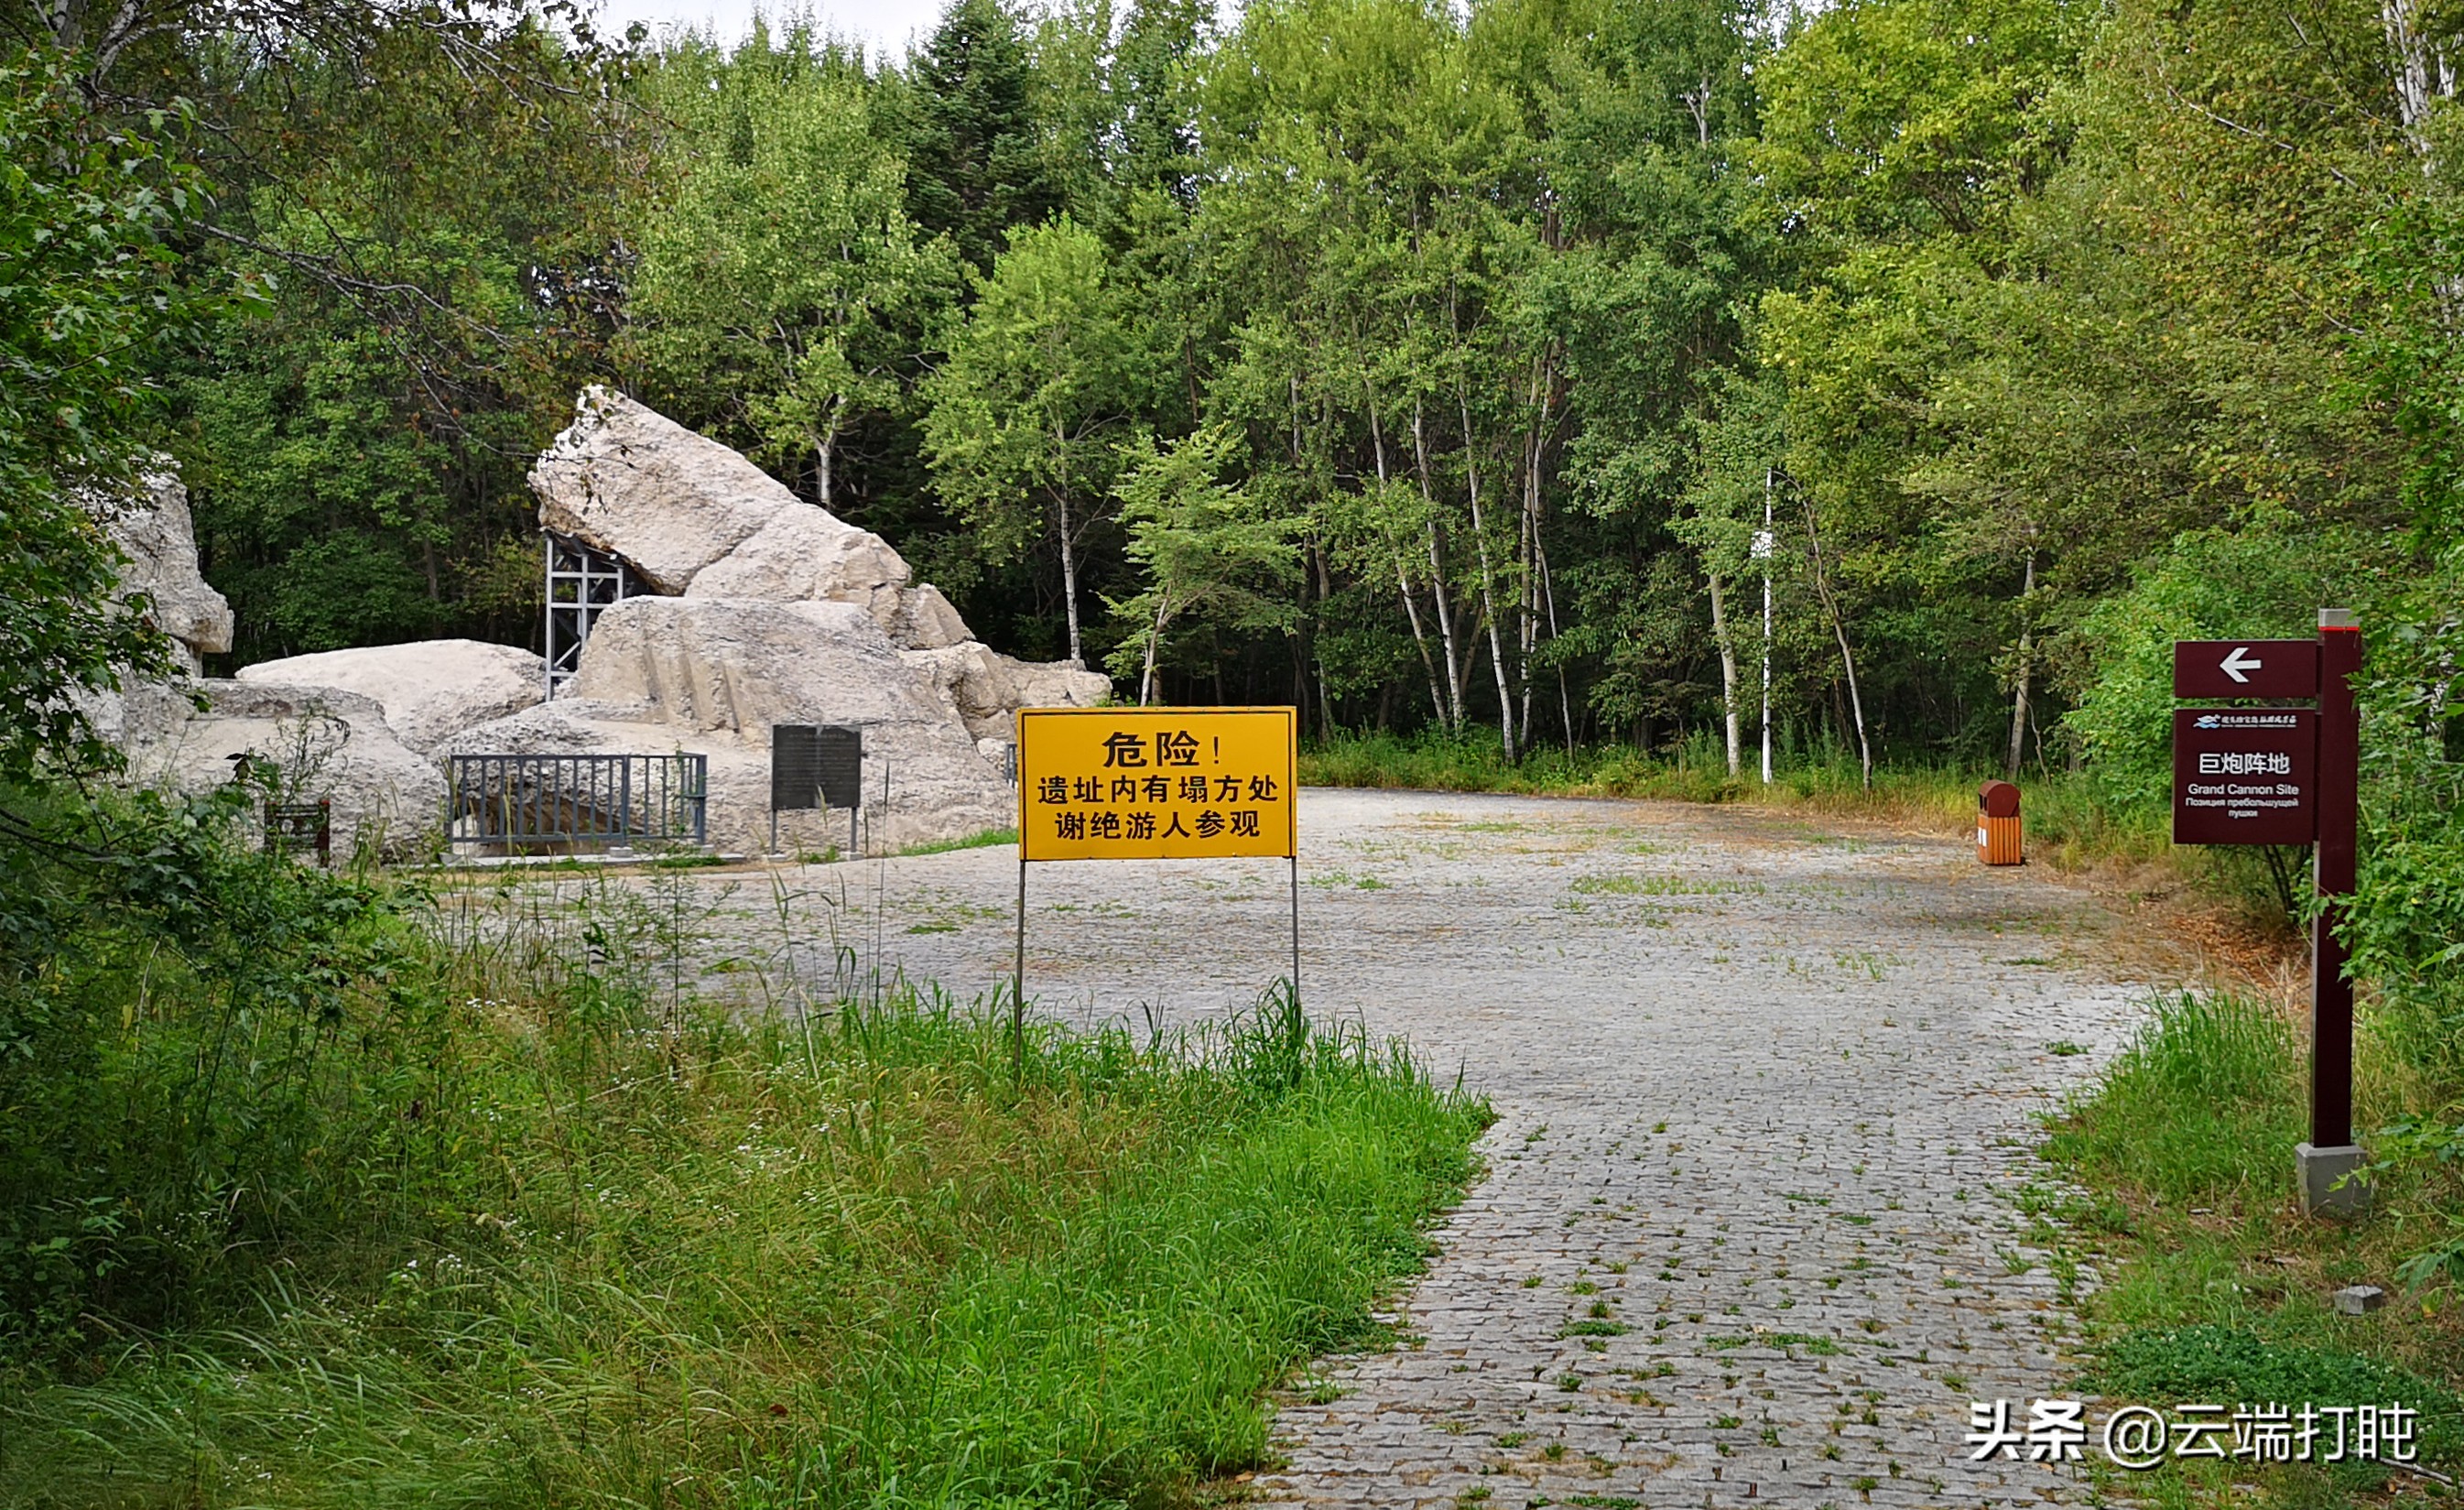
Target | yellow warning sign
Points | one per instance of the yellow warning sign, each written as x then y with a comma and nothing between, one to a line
1155,783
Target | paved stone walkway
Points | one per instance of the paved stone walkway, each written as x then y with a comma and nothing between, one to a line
1764,1094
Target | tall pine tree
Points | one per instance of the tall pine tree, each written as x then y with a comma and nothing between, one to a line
975,164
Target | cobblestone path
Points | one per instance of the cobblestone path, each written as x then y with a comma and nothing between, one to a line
1748,1234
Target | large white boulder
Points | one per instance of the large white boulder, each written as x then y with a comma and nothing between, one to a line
925,620
805,552
770,611
156,534
629,481
431,689
986,687
713,675
693,518
324,742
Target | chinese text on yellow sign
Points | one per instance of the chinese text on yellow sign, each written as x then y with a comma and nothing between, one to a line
1155,783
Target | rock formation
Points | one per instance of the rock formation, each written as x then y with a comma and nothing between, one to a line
431,689
774,611
161,542
694,520
317,733
321,742
768,611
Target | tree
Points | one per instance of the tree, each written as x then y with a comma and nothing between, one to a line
1205,547
87,221
977,165
1022,414
1154,80
782,288
448,243
1651,120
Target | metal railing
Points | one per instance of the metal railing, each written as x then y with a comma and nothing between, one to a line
523,801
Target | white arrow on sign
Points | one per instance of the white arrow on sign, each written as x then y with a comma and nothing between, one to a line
2237,662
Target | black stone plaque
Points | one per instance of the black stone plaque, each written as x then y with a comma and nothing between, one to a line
795,767
839,766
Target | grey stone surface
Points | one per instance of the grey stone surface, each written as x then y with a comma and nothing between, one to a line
807,553
695,518
2332,1180
773,611
156,534
710,676
925,620
986,687
325,742
431,689
1764,1095
629,481
2359,1299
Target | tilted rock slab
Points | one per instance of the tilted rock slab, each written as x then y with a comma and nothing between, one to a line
773,611
431,689
634,483
693,518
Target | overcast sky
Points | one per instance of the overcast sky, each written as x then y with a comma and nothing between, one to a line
884,26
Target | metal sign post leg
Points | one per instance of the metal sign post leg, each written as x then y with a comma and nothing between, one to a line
1018,985
1296,930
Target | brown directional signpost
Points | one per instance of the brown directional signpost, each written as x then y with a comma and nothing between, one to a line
2287,775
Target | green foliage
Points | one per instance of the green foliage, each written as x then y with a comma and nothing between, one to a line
89,221
989,839
438,203
176,1049
2220,1363
1025,408
2209,584
2206,1102
1206,551
2210,1285
965,115
781,292
2407,919
458,1197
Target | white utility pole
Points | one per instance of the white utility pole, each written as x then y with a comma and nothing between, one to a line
1763,553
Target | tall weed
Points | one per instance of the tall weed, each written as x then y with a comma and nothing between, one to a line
2204,1103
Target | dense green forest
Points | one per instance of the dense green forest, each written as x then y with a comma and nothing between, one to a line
1458,373
1413,367
1467,371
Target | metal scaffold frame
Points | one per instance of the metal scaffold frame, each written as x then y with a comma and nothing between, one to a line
580,583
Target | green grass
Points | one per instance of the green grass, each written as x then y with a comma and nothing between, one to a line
1474,762
2212,1288
2205,1104
2064,820
616,1248
989,839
